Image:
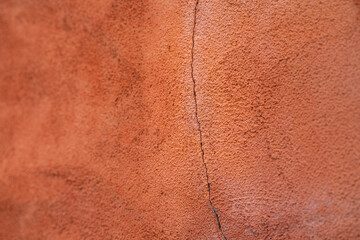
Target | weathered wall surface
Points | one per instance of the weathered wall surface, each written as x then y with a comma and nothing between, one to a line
99,124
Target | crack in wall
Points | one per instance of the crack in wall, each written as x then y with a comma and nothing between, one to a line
198,122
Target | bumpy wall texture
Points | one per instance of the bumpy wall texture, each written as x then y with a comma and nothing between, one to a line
222,119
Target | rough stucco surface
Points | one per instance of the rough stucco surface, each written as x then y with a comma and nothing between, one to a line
100,133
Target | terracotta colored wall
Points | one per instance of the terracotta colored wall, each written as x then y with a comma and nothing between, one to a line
99,124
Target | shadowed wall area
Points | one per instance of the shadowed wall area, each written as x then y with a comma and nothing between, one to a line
179,119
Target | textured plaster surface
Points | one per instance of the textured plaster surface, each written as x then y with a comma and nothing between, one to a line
179,119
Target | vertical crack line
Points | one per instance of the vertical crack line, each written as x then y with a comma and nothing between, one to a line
198,123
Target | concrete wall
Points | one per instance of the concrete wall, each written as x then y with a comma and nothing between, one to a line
180,119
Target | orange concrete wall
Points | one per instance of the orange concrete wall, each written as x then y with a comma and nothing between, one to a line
179,119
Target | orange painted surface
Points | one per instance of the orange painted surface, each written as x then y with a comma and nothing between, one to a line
100,127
